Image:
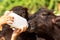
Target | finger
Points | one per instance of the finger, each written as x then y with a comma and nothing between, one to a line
10,19
17,31
6,13
9,22
24,29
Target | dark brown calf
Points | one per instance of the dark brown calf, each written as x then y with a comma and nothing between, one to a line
42,23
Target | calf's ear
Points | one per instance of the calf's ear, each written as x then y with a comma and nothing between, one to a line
57,21
53,21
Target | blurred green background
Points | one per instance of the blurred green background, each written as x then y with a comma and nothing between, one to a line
32,5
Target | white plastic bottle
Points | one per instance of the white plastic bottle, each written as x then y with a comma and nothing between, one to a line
19,22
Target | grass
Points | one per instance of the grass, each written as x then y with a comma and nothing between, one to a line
32,5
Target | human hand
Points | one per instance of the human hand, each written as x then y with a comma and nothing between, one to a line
6,19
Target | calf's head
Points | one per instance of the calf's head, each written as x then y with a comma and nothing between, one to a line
41,21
